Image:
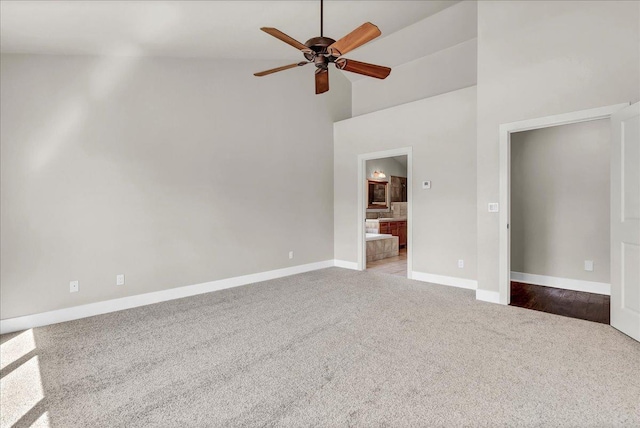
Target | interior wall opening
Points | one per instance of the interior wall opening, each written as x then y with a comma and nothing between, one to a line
560,220
386,215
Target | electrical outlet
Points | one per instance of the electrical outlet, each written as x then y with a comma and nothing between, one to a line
120,279
74,286
588,265
460,263
290,254
494,207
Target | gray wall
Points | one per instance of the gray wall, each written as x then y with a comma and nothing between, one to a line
441,131
431,57
443,71
560,201
171,171
542,58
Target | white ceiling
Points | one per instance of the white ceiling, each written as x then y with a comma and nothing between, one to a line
212,29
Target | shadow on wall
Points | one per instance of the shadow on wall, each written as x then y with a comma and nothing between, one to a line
105,77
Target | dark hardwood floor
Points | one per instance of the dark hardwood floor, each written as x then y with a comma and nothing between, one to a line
574,304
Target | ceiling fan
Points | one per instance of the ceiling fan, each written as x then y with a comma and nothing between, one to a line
321,51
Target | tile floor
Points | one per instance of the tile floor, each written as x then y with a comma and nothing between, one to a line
396,265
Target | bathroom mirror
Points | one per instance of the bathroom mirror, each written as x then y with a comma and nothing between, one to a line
377,194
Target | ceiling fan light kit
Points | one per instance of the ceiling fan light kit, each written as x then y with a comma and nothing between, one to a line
322,51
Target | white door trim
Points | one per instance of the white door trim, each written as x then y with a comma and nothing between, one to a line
362,206
506,130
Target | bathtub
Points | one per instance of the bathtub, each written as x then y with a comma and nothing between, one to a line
376,236
381,246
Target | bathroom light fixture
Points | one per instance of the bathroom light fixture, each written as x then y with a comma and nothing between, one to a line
379,174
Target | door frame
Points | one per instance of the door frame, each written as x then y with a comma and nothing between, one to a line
506,129
362,204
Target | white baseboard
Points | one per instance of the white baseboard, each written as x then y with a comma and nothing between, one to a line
345,265
69,314
453,281
488,296
565,283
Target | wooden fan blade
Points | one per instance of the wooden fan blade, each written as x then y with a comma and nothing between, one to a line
358,37
288,40
322,81
372,70
284,67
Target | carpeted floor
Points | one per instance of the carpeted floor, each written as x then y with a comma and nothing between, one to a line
329,348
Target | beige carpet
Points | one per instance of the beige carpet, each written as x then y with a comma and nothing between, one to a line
327,348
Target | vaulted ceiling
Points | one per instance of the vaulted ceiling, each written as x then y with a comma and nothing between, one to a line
211,29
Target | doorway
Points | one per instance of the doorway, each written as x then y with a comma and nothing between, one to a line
386,215
560,219
385,220
504,206
624,205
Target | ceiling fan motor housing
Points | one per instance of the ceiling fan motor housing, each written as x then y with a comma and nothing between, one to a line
319,46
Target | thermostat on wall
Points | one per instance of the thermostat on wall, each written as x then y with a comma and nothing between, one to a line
493,207
426,184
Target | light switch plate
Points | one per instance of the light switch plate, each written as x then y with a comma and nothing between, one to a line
426,184
494,207
74,286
